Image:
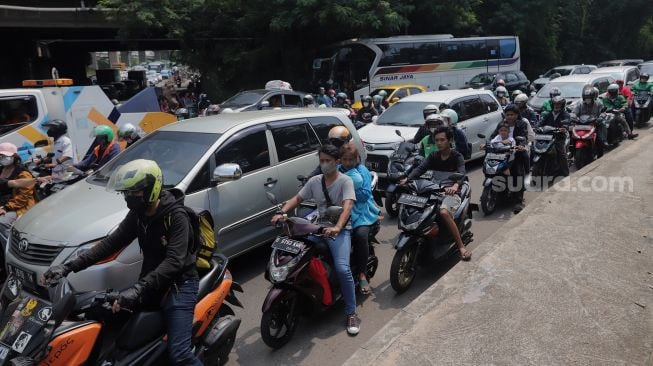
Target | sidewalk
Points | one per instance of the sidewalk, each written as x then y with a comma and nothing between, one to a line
567,281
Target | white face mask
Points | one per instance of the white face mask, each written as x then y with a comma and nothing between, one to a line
328,168
6,160
366,104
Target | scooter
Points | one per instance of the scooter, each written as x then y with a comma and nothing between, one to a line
401,163
497,163
583,138
614,131
642,106
545,155
423,238
302,275
74,328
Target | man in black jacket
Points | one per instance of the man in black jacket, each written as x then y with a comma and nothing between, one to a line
168,276
559,118
518,128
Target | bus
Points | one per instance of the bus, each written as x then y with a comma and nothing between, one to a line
360,66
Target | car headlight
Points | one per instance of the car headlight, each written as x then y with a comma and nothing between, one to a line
82,249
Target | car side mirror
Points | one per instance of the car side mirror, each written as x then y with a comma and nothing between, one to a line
41,143
227,172
398,133
374,119
265,104
466,82
11,288
394,100
317,64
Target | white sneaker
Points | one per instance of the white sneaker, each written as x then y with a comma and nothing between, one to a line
353,324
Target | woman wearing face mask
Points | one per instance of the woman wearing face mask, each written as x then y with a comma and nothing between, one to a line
15,201
364,214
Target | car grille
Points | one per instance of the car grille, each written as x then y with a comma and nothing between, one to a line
377,163
35,254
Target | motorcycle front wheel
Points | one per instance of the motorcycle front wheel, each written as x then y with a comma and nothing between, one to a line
582,157
402,270
278,324
391,206
488,200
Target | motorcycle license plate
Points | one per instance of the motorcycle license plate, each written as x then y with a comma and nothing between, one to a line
544,137
410,200
397,156
287,245
28,278
493,156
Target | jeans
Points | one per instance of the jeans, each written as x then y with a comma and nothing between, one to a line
629,118
360,236
178,314
340,248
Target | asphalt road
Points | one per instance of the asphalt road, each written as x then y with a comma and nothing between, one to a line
322,339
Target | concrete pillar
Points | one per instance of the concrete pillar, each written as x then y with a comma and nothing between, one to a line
124,57
141,57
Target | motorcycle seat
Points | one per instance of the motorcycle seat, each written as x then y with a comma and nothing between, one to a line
209,280
143,327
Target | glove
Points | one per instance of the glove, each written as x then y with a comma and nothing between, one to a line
56,273
128,298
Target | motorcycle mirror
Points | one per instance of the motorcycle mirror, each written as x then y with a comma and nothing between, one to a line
63,299
398,133
481,136
334,211
271,197
41,143
520,139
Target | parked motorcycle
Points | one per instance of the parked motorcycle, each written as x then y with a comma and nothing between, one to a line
72,328
545,155
642,105
423,238
401,163
302,275
583,137
497,163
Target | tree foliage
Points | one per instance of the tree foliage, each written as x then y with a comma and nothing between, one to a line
240,44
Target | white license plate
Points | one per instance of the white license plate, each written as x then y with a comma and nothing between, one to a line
410,200
288,245
493,156
28,278
544,137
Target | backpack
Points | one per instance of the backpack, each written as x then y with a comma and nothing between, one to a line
203,235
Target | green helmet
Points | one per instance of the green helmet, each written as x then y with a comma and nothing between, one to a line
138,175
103,130
451,114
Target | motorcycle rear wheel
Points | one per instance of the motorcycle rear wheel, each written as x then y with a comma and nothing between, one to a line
402,272
488,200
279,323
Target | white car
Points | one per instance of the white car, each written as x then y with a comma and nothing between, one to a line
629,74
478,113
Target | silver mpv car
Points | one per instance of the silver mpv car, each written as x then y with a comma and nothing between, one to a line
223,163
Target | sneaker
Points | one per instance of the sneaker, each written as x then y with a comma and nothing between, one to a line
353,324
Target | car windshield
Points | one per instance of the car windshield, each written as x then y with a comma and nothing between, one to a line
561,71
482,79
567,90
175,152
615,74
646,68
404,114
245,98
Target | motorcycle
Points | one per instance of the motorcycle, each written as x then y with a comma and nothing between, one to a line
545,155
302,275
423,238
642,106
75,328
583,138
614,131
401,163
497,163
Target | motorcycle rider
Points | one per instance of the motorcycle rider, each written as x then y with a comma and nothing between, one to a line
428,145
338,136
129,134
519,127
446,160
615,102
460,139
327,189
341,101
18,200
378,103
368,111
515,93
309,101
642,85
502,95
559,118
547,106
593,107
322,98
168,275
106,149
423,131
524,110
331,94
364,214
625,91
384,102
63,147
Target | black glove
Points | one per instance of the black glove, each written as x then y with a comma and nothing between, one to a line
128,298
56,273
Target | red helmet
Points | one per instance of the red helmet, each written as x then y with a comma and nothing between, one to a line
620,82
331,92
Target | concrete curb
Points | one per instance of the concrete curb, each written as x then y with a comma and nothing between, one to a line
483,271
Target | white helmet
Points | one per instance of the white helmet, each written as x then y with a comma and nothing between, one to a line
430,109
228,110
322,106
128,131
521,98
501,90
435,119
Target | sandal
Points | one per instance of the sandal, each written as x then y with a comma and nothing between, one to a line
466,256
364,287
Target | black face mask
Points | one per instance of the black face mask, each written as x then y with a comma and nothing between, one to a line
136,203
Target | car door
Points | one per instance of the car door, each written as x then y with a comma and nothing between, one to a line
295,146
240,208
492,116
471,119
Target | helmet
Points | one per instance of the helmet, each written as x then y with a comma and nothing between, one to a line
619,82
644,76
128,131
515,93
613,89
451,115
501,82
331,92
341,95
383,94
339,135
228,110
103,130
521,98
56,127
308,99
443,87
511,108
377,99
435,119
322,106
182,113
554,91
501,91
212,109
589,92
430,109
558,100
138,175
366,98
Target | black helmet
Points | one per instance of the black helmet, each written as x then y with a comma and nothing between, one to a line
558,100
443,87
56,127
613,89
511,108
554,91
367,98
589,92
644,76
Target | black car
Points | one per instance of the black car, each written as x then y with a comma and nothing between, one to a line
488,80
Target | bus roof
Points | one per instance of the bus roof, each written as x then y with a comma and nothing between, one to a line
416,38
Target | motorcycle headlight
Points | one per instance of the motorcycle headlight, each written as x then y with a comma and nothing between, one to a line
278,274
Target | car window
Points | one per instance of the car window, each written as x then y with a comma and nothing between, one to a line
511,77
632,75
522,76
458,106
17,111
602,84
400,93
474,107
490,104
584,70
322,126
249,149
292,100
295,140
201,181
414,91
